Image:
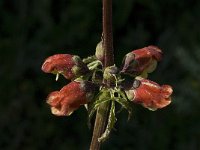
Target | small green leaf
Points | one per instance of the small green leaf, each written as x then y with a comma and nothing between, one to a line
93,65
111,122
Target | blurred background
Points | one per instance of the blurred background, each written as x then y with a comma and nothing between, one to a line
31,30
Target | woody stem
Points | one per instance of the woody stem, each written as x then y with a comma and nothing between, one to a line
102,113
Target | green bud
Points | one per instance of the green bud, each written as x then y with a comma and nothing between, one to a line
110,73
100,51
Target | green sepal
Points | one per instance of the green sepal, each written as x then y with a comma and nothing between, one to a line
144,74
89,59
122,94
94,64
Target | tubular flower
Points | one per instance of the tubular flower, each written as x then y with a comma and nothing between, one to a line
70,97
150,94
141,61
70,66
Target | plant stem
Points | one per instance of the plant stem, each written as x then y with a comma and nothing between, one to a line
108,33
102,113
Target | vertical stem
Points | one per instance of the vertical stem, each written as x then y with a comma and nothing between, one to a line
102,113
108,33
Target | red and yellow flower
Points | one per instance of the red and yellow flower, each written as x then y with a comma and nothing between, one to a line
150,94
71,97
141,61
70,66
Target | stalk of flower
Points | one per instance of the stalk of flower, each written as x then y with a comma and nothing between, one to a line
71,97
150,94
141,61
70,66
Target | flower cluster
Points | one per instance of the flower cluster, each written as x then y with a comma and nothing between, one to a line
138,64
74,94
87,86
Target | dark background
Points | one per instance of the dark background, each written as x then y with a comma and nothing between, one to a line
31,30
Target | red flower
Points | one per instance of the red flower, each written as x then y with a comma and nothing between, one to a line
150,94
70,97
140,60
70,66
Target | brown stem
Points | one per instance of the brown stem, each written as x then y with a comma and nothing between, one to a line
102,113
107,33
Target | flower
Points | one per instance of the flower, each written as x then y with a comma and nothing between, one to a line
70,66
141,61
150,94
70,97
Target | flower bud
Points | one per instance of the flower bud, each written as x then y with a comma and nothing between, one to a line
71,97
141,61
150,94
100,51
70,66
110,72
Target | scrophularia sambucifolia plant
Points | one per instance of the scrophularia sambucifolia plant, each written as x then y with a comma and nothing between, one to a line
87,87
98,84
